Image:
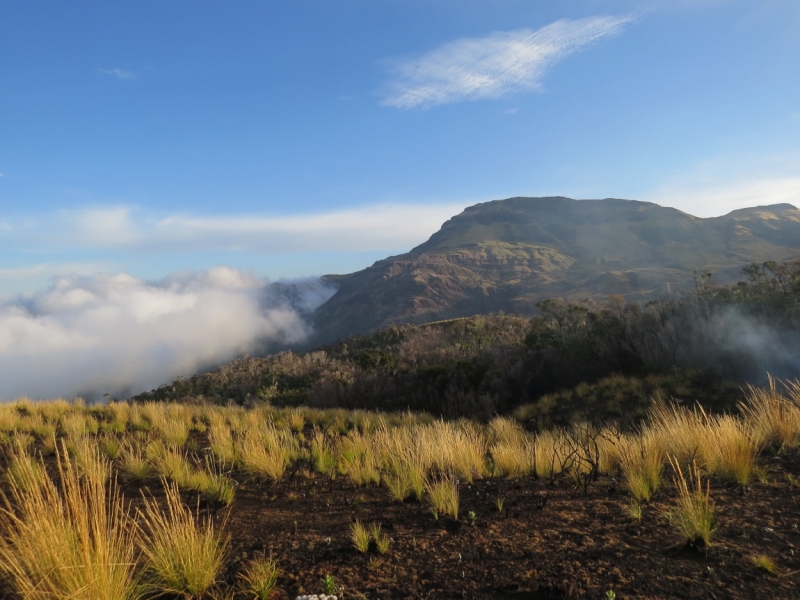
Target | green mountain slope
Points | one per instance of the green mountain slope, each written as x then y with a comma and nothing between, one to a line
506,255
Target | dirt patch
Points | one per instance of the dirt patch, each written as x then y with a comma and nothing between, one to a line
548,541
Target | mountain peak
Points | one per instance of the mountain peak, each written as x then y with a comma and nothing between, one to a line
509,254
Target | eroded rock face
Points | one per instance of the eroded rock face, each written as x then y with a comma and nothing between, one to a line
507,255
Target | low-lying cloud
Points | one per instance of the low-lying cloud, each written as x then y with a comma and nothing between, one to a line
121,335
492,66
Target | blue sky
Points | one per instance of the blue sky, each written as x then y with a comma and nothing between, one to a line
161,161
296,138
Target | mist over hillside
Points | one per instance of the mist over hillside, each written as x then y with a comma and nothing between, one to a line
120,335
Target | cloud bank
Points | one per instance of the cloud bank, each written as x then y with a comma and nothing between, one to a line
381,227
489,67
123,335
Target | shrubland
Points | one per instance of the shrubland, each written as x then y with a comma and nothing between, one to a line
572,361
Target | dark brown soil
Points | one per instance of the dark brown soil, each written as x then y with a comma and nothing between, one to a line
550,541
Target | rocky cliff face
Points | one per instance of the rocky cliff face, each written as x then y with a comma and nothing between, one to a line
507,255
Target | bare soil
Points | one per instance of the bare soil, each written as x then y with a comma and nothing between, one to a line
550,541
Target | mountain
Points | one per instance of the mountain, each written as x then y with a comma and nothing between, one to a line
507,255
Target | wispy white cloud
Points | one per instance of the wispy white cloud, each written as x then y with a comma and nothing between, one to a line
715,199
388,227
489,67
118,73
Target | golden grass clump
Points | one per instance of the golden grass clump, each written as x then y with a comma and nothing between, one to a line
213,483
442,495
694,516
460,447
89,462
358,458
134,463
9,418
773,418
512,458
220,439
265,452
75,541
405,460
173,465
24,472
322,453
171,421
763,562
260,578
74,425
731,450
183,555
551,453
110,446
679,432
360,536
642,463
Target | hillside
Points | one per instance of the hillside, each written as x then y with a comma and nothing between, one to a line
507,255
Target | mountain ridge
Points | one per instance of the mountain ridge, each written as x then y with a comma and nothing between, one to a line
506,255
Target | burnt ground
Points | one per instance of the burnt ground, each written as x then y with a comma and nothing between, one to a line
550,541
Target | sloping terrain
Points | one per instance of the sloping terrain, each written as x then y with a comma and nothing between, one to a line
507,255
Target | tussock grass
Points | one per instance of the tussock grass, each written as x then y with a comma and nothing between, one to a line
76,541
763,562
405,460
642,463
24,472
110,446
693,517
220,439
678,432
322,453
74,425
184,555
731,450
264,452
134,463
773,418
381,539
552,453
214,484
90,463
260,578
360,536
358,459
442,495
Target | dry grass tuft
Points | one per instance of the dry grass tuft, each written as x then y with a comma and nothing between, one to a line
360,536
442,495
763,562
260,578
694,515
184,556
76,542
